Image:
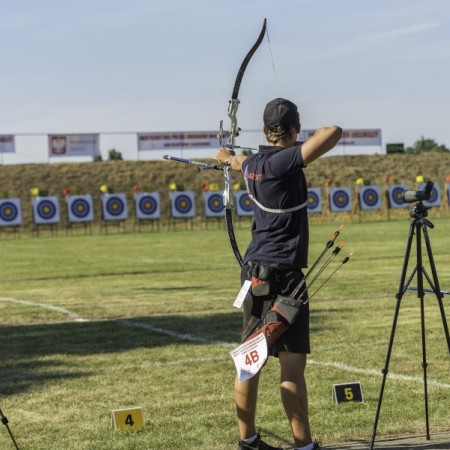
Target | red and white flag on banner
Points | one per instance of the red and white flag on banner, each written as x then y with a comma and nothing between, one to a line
250,356
7,144
73,144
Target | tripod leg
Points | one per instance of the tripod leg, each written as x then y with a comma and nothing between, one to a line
399,296
386,368
4,421
436,287
424,367
421,294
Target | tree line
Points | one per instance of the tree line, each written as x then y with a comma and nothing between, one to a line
426,146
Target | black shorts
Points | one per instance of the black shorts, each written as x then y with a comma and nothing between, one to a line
296,339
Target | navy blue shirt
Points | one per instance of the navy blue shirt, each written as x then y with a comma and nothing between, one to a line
275,177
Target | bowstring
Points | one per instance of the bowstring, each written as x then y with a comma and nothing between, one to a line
271,55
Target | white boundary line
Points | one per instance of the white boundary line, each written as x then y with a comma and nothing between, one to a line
59,309
182,336
394,376
188,337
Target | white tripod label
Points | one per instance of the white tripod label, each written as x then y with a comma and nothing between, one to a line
250,356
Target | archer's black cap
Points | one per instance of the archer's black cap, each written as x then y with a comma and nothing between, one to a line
281,112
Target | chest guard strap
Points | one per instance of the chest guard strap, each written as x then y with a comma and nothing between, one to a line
270,210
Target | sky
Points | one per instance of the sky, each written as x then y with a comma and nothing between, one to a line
124,66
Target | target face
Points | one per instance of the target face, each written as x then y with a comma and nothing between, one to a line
79,208
213,203
369,197
45,210
114,206
243,204
10,212
340,199
314,200
147,205
395,192
182,204
435,199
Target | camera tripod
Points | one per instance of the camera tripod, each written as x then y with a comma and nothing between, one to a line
418,227
5,422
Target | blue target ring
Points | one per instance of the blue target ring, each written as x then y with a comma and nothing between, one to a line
396,195
370,197
8,212
434,196
341,199
183,204
147,205
46,209
114,206
215,203
313,200
245,203
80,208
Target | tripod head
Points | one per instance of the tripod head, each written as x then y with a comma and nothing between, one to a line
418,212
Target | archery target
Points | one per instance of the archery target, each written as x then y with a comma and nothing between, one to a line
114,206
45,210
314,204
243,203
213,203
340,199
182,204
395,192
147,205
369,197
10,212
435,199
79,208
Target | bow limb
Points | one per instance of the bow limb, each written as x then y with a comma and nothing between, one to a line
234,101
234,131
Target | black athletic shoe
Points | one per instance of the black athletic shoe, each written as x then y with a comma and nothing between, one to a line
257,444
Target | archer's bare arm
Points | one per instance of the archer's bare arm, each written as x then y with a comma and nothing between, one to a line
322,141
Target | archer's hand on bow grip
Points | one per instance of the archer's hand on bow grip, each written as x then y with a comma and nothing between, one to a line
224,156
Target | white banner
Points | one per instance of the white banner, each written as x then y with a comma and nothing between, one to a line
177,140
7,144
73,144
350,137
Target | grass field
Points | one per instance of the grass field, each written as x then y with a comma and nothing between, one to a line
95,323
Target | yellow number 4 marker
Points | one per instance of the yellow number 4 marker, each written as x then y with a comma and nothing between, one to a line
127,418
